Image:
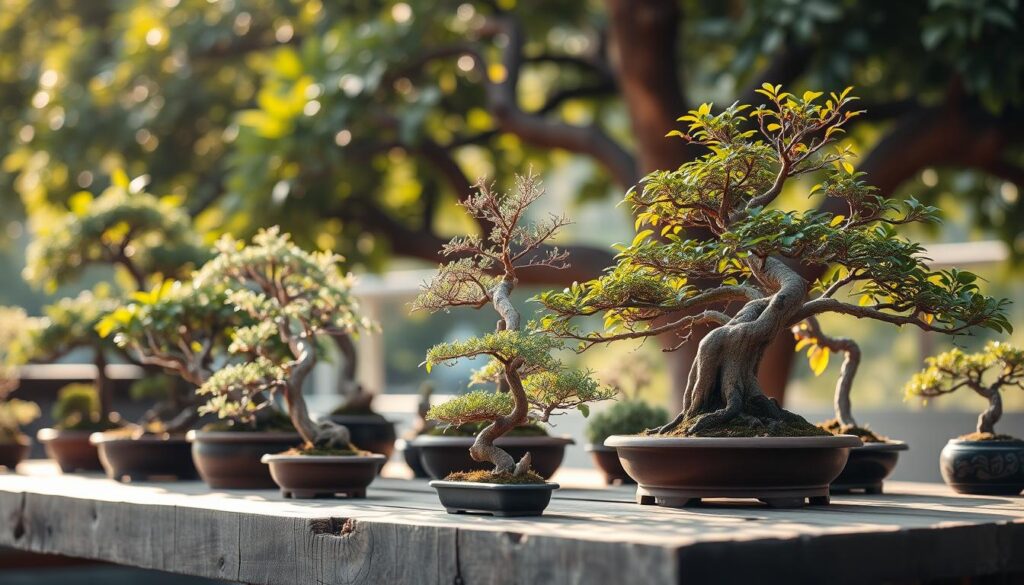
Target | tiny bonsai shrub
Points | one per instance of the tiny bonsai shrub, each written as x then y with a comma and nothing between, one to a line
664,283
982,462
531,383
78,409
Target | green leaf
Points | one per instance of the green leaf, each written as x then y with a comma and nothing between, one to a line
584,409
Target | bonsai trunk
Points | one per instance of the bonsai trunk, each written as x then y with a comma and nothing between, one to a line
851,361
483,448
355,398
988,419
104,385
325,434
723,382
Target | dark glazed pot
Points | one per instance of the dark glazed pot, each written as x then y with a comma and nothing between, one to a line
323,476
145,458
442,455
70,449
411,455
461,497
782,472
11,454
370,432
607,460
232,460
993,468
867,466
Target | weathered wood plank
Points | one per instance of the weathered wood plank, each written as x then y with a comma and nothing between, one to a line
401,535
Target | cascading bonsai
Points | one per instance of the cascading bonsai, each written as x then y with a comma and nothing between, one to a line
998,367
744,281
532,385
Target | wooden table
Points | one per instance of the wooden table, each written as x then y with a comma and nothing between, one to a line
589,535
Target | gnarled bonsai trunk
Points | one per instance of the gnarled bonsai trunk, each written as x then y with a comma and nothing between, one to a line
723,381
988,419
851,351
325,434
356,399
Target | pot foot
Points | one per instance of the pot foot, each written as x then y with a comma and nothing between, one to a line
870,489
645,500
786,502
819,500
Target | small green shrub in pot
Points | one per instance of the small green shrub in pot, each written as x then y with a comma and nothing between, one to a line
77,408
629,416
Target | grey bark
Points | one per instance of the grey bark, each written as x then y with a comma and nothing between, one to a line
851,361
324,434
988,419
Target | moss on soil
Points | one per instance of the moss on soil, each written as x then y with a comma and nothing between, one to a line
530,477
754,421
834,427
987,437
471,430
322,451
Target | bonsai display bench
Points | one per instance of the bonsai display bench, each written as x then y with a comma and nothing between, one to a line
401,534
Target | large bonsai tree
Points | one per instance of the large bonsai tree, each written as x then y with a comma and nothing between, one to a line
667,284
988,373
531,383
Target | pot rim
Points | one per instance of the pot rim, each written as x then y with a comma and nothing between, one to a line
47,434
102,437
890,445
830,442
370,418
442,441
347,459
598,448
1014,443
503,487
240,436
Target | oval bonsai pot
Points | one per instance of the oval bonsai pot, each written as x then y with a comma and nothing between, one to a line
442,456
370,432
461,497
607,460
143,458
411,455
780,471
13,453
323,476
994,468
70,449
232,459
867,466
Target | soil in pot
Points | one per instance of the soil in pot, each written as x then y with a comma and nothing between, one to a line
145,457
869,464
14,450
501,494
319,473
983,463
779,471
606,459
369,430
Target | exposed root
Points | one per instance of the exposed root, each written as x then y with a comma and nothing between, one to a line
758,417
524,465
330,435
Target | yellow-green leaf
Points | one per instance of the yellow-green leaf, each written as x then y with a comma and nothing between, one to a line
818,359
773,127
806,341
837,220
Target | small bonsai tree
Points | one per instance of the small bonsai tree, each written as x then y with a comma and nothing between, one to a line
629,376
531,383
997,367
77,408
742,282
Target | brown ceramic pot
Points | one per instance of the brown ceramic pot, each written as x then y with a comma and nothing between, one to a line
70,449
11,454
780,471
324,476
144,458
607,460
867,466
442,455
993,468
370,432
232,460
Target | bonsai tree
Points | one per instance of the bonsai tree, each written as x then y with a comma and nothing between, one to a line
78,409
144,238
997,367
531,383
741,284
630,415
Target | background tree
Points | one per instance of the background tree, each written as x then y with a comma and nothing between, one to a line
530,383
365,118
657,285
988,372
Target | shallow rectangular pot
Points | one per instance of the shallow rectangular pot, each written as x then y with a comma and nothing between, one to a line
461,497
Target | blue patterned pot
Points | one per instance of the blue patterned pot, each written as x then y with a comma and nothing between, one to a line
983,467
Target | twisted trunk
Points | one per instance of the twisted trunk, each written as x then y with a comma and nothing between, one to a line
851,361
325,434
356,398
988,419
722,383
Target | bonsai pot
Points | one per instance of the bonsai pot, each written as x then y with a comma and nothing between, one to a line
607,460
70,449
460,497
323,476
13,453
411,455
144,458
983,467
442,455
779,471
231,460
867,466
370,432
